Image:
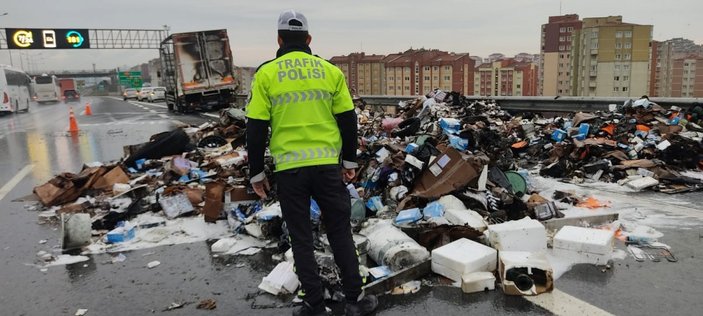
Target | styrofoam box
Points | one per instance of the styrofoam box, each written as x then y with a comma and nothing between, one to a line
594,243
478,282
466,217
463,256
522,235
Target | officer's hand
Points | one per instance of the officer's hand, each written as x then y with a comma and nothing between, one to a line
261,188
348,174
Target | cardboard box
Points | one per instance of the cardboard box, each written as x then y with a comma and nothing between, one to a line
107,181
446,173
525,273
461,257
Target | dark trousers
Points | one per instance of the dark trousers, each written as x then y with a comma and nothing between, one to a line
325,185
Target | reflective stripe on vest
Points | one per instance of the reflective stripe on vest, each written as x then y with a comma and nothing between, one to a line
300,96
306,154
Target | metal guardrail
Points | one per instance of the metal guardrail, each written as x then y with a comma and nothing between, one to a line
545,104
541,104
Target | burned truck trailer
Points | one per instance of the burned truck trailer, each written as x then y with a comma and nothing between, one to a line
197,70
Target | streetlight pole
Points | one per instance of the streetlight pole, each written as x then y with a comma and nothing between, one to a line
9,52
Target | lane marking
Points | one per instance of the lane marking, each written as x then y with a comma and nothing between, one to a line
163,116
561,303
14,181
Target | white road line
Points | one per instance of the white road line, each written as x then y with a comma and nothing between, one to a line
152,111
14,181
561,303
163,116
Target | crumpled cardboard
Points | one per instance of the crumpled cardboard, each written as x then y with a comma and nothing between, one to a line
446,173
116,175
214,201
67,187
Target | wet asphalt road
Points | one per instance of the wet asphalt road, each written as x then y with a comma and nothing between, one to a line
189,273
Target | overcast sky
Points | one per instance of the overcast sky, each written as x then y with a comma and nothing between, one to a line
337,27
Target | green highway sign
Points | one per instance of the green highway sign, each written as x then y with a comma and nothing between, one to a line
132,79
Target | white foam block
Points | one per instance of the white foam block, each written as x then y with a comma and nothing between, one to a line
593,244
522,235
463,256
478,282
466,217
223,245
281,278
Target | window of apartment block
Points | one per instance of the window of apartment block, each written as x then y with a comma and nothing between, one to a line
624,89
628,34
628,45
570,29
435,78
435,68
628,56
427,68
427,78
616,89
560,91
447,77
616,78
407,78
562,38
447,67
618,45
626,67
407,87
562,29
594,45
594,34
517,86
625,78
617,57
561,47
618,34
568,38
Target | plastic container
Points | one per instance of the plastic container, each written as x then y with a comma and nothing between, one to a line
390,246
466,217
584,128
358,210
411,148
558,135
463,256
374,203
408,216
123,232
76,230
521,235
433,209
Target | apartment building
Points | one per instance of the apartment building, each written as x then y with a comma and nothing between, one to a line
557,38
611,58
506,77
677,54
413,72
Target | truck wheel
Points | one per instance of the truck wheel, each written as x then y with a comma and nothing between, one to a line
170,107
27,109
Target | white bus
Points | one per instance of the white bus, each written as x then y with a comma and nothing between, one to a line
15,90
47,89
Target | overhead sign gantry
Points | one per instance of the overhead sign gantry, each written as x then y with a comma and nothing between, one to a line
34,38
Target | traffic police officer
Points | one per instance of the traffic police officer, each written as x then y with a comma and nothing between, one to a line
306,102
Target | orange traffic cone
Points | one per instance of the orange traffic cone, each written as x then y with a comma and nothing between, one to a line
88,111
72,124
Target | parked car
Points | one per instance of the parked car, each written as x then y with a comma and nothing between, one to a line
144,93
71,95
129,94
157,93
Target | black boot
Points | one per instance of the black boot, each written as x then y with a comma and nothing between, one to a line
307,310
363,307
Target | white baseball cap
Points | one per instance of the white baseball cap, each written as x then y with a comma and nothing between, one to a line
291,20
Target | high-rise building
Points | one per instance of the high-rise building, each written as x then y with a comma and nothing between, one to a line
611,58
506,77
413,72
555,54
675,54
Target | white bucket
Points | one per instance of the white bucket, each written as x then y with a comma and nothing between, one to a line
75,230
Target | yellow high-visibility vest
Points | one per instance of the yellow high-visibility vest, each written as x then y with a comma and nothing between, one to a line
300,94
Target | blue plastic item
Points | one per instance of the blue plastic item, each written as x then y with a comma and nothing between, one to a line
121,233
408,216
458,142
374,203
583,131
433,209
411,148
184,178
314,211
450,124
140,163
558,135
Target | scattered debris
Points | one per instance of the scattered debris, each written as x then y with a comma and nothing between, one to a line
81,312
208,304
174,305
153,264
